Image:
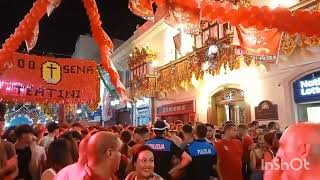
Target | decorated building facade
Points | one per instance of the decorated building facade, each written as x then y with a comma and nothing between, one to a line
207,77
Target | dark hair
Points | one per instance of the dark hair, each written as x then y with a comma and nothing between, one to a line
115,129
178,122
159,132
23,129
254,123
84,132
3,109
125,136
73,145
76,135
209,125
77,125
278,135
137,150
141,130
10,135
242,126
271,125
52,126
59,154
269,137
187,128
228,122
201,130
131,128
228,126
263,126
218,136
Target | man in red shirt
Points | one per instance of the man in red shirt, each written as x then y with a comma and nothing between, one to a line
229,155
247,145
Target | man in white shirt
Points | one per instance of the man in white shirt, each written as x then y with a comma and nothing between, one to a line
53,130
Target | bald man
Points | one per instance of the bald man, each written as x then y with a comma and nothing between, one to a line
299,154
103,157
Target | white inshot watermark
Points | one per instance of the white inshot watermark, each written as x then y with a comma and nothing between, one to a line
295,164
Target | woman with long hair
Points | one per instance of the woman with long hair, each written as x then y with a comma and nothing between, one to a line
59,156
143,162
270,139
125,150
73,144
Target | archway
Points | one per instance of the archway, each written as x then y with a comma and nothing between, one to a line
229,104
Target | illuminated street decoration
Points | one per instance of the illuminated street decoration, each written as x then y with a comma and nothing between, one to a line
142,79
39,79
191,12
26,31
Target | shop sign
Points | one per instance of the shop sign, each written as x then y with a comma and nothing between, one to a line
40,79
187,107
266,111
307,88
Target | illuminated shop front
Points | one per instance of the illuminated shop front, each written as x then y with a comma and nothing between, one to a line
307,97
183,111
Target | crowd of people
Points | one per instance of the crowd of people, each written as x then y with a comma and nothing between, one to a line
161,151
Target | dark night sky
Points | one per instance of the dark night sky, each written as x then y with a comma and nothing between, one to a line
59,32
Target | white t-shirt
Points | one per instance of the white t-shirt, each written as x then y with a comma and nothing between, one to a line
46,141
38,156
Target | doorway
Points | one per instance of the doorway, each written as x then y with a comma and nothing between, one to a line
229,105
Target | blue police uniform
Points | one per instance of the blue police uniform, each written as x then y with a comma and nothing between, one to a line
163,150
204,156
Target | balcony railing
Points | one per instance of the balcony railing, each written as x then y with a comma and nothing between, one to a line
181,70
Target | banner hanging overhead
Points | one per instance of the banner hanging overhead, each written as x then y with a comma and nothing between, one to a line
259,45
40,79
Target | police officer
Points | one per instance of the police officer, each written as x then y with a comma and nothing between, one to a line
199,157
163,149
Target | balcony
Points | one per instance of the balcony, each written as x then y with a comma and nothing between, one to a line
142,81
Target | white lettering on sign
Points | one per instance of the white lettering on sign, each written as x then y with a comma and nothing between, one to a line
157,146
310,87
204,151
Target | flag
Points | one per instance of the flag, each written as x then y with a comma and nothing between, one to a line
261,46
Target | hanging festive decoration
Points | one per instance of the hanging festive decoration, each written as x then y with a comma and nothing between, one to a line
142,8
291,42
22,32
196,64
53,5
45,80
264,47
140,56
28,31
32,41
190,12
104,76
25,114
105,46
143,79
